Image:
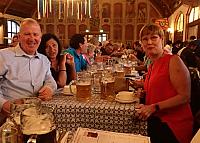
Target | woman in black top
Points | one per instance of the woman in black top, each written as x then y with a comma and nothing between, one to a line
51,47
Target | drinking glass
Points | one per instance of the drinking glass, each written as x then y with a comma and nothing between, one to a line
107,86
96,83
119,71
83,87
10,134
38,125
127,68
19,105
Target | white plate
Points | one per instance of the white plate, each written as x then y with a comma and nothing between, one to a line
126,101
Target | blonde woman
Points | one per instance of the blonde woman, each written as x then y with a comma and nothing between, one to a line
88,54
167,87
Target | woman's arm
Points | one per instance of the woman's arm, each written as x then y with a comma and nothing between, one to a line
62,76
72,68
180,79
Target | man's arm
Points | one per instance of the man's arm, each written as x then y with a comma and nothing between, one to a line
49,86
3,70
47,91
5,109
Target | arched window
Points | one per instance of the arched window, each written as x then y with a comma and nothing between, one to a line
194,14
180,23
13,29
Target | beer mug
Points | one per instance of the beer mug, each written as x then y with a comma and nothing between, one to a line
83,87
19,105
38,125
96,83
127,68
119,71
107,86
10,134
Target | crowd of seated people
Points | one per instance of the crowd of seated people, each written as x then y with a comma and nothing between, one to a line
61,65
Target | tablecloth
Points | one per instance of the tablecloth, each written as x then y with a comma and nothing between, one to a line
95,113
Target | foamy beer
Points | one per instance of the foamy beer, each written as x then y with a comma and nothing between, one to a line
83,90
83,87
107,87
120,74
121,84
119,71
127,68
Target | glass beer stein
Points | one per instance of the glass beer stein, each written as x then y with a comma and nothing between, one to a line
10,134
107,86
83,87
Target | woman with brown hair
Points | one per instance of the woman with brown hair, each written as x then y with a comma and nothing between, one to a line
50,46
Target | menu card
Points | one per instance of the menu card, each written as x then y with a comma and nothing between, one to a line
85,135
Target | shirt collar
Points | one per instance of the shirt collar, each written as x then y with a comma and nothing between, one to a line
20,53
75,53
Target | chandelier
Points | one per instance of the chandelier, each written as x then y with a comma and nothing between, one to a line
64,8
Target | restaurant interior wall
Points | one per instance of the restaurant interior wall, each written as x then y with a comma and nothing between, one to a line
190,29
4,18
193,31
193,25
121,19
1,34
173,21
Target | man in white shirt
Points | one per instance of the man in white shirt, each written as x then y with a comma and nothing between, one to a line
23,71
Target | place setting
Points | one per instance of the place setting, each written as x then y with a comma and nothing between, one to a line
126,97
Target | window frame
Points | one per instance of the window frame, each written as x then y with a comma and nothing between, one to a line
180,22
194,14
13,29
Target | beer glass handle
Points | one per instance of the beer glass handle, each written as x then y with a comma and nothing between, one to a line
32,139
105,89
70,86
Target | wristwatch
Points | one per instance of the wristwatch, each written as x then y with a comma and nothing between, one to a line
157,107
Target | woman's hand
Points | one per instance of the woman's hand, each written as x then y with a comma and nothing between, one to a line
140,93
145,111
69,59
66,58
136,83
62,60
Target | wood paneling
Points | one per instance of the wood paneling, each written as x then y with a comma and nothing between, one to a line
21,8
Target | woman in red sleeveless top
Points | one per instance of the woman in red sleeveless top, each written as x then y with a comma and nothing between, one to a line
167,87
